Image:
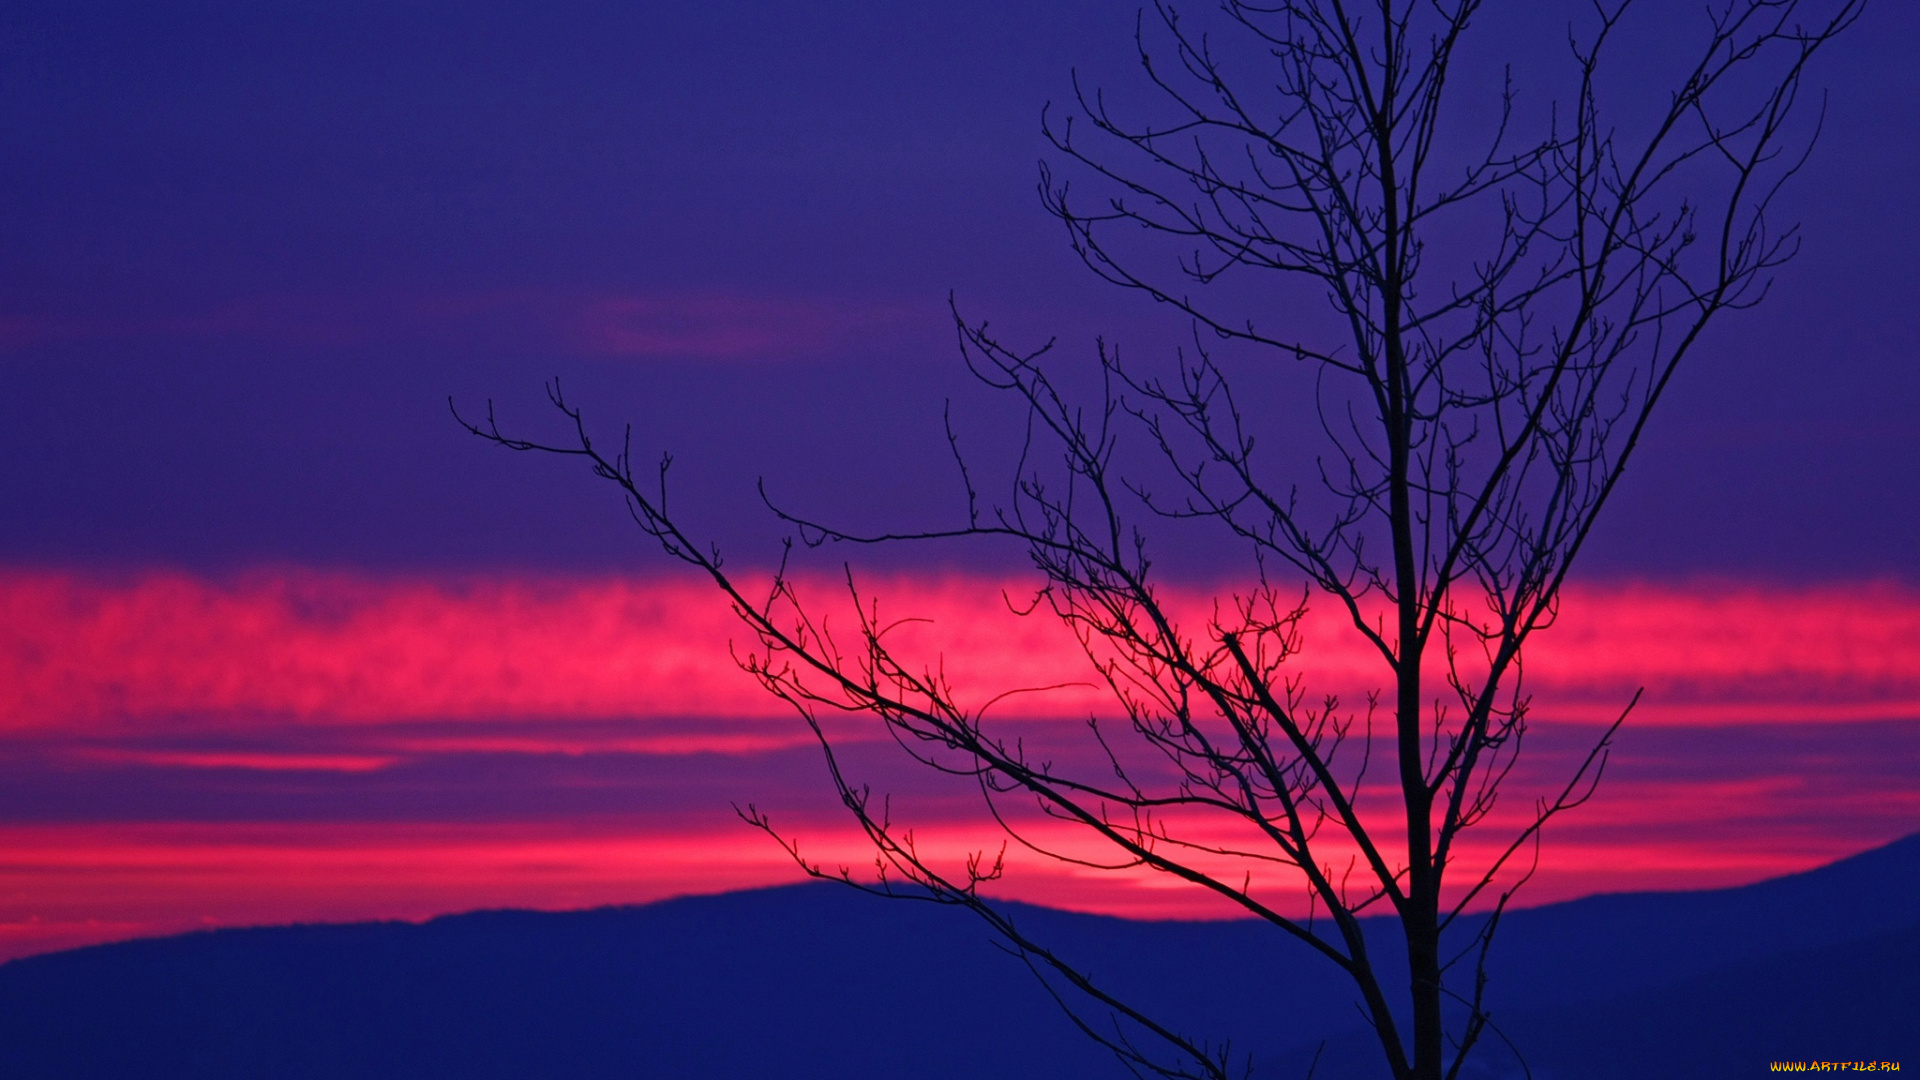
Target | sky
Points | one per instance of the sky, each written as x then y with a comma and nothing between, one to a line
281,642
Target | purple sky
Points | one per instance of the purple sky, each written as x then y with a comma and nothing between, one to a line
246,251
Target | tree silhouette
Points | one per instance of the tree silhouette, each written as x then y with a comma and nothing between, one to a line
1507,312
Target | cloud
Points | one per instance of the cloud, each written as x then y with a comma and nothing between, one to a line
1738,819
352,649
85,653
293,745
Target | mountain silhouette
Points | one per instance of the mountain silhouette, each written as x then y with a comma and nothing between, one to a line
822,981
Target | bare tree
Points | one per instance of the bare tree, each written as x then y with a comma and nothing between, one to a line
1505,322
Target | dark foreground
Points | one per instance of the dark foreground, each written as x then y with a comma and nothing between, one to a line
820,981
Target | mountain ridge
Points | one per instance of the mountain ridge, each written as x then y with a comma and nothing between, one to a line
817,980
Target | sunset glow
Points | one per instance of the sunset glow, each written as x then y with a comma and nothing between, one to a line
289,746
343,649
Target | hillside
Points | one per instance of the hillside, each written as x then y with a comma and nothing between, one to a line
819,981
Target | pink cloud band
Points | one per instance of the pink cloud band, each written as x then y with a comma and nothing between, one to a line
78,652
353,690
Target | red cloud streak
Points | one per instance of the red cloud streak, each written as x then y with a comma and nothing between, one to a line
286,679
77,652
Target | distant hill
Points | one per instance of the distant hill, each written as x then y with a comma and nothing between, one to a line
821,981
